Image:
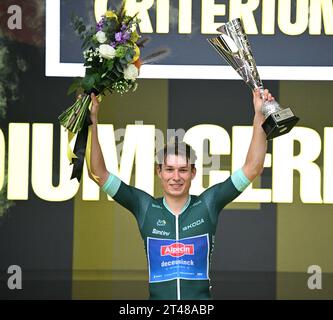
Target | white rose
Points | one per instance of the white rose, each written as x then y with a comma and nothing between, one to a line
131,72
107,51
101,37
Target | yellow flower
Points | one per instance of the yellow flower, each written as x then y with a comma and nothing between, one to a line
137,53
111,14
135,36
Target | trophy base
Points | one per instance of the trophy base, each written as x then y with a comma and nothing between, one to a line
279,123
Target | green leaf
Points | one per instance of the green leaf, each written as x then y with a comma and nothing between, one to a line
110,64
88,82
129,58
97,78
85,43
119,67
81,29
74,86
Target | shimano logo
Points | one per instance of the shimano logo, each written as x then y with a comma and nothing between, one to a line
194,224
161,233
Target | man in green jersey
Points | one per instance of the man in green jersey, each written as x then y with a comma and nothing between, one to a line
179,229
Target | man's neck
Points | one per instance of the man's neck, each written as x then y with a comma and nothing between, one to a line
176,204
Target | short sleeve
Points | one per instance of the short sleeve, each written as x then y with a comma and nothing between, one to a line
219,195
135,200
240,181
112,184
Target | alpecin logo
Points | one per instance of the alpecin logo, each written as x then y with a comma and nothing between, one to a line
177,249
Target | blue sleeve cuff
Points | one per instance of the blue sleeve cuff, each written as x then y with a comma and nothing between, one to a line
240,181
111,185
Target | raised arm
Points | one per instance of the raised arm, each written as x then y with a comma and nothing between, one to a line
97,163
255,158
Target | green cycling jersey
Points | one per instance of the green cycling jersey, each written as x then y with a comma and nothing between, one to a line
178,247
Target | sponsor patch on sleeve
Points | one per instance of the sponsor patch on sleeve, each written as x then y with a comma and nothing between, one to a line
169,259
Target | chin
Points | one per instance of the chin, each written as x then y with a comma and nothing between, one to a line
177,192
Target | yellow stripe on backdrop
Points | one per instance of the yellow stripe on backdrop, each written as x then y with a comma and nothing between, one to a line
304,231
108,254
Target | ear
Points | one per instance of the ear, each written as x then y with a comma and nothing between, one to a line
158,171
193,173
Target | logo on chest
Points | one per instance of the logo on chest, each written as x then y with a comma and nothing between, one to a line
193,225
161,233
177,250
161,223
187,258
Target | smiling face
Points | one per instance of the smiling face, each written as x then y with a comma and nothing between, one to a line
176,174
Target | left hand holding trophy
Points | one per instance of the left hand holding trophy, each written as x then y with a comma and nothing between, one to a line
233,45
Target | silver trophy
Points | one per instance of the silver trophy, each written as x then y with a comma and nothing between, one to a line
233,45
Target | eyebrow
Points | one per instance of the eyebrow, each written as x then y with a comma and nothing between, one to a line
184,167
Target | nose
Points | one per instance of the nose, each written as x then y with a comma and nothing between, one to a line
176,175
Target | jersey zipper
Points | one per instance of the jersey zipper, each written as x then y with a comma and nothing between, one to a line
177,236
177,239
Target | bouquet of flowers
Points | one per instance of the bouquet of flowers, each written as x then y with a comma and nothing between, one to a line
112,61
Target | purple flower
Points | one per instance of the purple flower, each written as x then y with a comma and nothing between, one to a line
126,36
119,36
113,44
123,27
100,24
122,37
